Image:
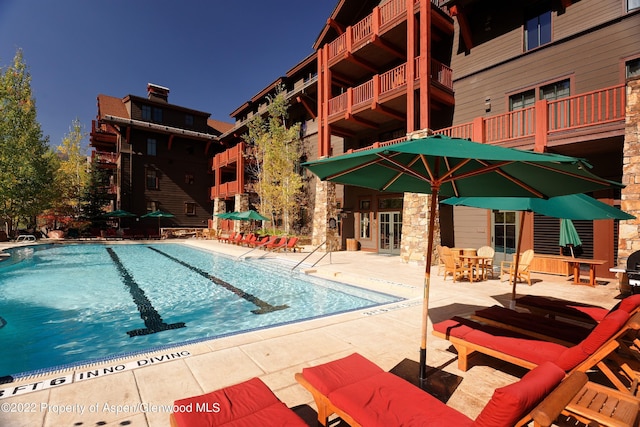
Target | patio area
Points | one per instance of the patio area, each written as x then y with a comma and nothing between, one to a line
388,336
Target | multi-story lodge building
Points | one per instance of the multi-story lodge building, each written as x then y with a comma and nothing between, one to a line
554,76
157,156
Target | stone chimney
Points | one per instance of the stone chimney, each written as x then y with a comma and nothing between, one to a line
157,93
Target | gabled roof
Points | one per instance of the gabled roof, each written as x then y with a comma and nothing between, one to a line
221,127
109,105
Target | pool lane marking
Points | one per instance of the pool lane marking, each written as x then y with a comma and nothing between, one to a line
148,314
264,307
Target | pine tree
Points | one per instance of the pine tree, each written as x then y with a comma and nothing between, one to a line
27,164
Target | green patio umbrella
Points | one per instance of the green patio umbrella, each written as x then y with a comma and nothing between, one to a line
119,214
568,207
159,215
250,215
440,165
227,215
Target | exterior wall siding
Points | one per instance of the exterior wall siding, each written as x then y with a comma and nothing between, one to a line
470,227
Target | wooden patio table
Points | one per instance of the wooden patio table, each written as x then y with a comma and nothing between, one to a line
574,263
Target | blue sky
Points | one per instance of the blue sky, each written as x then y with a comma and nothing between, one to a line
213,55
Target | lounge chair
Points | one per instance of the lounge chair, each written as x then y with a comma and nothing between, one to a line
290,246
588,403
236,240
227,239
246,239
276,245
250,403
542,327
262,242
469,337
363,394
524,272
555,307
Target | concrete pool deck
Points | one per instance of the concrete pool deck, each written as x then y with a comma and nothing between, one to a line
139,391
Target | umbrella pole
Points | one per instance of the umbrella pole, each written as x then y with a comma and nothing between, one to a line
427,282
512,303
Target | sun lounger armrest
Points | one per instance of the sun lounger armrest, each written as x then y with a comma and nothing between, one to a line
551,407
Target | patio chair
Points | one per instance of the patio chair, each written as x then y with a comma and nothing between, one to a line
487,252
247,239
261,242
362,394
441,251
250,403
469,337
454,268
236,240
524,272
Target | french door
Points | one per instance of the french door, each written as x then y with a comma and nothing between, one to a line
390,225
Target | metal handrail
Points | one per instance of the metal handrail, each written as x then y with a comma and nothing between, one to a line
311,253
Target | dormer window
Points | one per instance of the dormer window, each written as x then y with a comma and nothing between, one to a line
157,115
146,112
188,120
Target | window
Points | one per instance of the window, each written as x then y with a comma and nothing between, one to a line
188,178
555,90
152,179
157,115
151,147
537,29
522,100
146,112
632,68
190,208
633,5
188,120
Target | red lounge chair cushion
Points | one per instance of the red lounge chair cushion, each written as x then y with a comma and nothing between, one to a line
386,400
341,372
509,404
630,304
247,404
502,340
586,311
600,334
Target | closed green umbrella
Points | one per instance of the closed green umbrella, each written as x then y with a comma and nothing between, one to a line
569,235
440,165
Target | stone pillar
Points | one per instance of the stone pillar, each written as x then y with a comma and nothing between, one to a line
218,206
629,236
415,228
241,204
325,215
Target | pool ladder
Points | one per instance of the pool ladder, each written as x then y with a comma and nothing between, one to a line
311,253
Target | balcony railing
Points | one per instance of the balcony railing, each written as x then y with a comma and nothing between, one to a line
105,157
545,118
391,80
381,16
228,189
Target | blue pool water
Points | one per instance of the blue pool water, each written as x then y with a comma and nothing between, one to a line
64,305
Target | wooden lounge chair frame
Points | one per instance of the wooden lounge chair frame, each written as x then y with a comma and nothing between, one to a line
466,349
587,402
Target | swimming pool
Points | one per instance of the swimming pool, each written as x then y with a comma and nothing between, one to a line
70,304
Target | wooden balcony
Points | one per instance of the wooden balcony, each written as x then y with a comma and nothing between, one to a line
383,87
595,114
382,19
226,190
229,156
105,158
